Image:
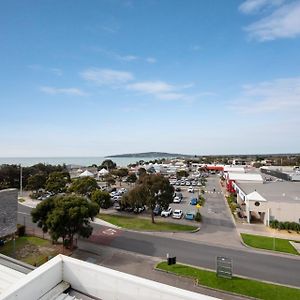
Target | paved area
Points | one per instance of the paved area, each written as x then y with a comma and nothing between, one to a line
139,265
217,225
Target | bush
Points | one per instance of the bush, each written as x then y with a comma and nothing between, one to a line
198,217
201,200
285,225
20,230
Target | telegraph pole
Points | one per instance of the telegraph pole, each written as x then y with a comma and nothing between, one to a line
21,181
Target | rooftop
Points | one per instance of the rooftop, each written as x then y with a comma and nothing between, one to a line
273,191
64,277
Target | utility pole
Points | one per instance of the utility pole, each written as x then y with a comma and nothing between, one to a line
21,181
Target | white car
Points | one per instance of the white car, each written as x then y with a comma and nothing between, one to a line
177,199
187,183
166,212
191,189
177,214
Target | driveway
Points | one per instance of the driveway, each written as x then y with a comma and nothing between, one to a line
217,224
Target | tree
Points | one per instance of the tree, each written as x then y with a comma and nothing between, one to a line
151,190
36,182
108,164
65,216
109,179
102,198
120,173
141,172
182,173
57,181
84,186
131,178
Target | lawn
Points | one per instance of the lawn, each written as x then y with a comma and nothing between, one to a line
30,249
264,242
136,223
236,285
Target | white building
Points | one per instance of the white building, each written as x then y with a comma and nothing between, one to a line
269,200
64,277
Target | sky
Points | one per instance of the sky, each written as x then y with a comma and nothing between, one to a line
102,77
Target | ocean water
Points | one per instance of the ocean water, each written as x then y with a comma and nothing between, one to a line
81,161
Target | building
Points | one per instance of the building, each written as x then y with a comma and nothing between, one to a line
64,277
282,172
8,211
269,200
232,177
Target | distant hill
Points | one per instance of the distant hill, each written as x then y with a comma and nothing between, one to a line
151,154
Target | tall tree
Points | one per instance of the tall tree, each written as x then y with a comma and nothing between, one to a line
84,186
57,181
65,216
151,190
36,182
102,198
108,164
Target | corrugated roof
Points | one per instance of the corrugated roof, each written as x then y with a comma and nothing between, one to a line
245,177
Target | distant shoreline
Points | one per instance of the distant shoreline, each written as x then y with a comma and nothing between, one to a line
150,154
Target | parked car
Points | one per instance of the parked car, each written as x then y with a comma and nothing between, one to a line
138,209
178,182
194,201
177,199
194,183
117,206
166,212
189,216
182,183
177,189
157,210
177,214
187,183
191,189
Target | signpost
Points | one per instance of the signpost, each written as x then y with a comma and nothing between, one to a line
224,267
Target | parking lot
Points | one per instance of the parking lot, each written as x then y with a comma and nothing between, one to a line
185,205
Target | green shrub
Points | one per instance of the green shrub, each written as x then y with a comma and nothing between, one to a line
198,217
20,230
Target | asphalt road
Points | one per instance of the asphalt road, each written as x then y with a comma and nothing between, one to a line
281,269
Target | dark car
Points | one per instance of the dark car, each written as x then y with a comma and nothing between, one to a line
177,189
157,210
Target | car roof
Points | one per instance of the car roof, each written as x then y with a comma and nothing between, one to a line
177,210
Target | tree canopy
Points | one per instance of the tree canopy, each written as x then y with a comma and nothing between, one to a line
65,216
102,198
151,190
84,186
36,182
57,181
108,164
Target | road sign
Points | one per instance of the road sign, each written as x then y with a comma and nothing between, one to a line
224,267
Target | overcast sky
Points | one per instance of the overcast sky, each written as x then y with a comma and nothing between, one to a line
93,78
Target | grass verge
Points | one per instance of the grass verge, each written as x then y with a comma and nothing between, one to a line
268,243
246,287
30,249
136,223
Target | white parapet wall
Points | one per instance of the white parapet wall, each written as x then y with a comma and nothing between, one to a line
93,280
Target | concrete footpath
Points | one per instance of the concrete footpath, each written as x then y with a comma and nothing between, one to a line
140,265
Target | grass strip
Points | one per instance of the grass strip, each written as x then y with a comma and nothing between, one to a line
136,223
268,243
29,249
242,286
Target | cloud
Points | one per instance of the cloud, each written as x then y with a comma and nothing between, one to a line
159,89
56,71
279,95
65,91
151,60
106,76
254,6
284,22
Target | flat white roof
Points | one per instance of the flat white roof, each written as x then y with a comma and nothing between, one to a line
245,177
234,168
8,277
